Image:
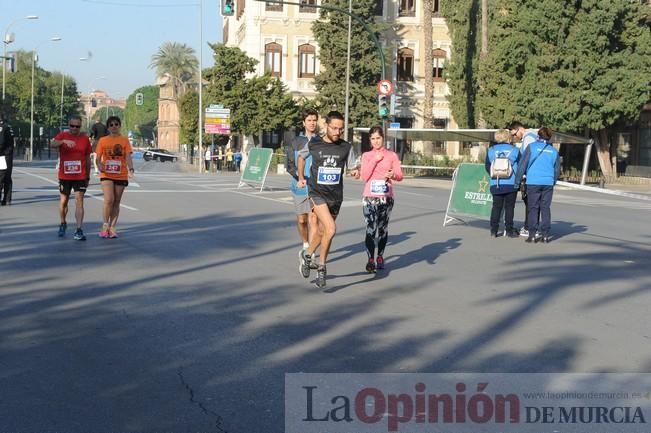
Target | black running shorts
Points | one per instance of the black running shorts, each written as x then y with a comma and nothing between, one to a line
333,206
66,186
115,181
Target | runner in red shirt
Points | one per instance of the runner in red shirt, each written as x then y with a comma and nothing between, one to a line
74,163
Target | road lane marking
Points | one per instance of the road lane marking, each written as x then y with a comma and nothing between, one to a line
88,192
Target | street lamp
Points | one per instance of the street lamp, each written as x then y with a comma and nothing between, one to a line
31,116
9,38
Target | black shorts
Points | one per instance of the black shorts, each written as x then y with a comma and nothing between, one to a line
333,206
66,186
115,181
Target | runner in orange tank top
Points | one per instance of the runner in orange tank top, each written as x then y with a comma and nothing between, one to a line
115,163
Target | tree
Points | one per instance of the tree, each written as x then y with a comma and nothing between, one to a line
111,110
460,73
331,33
576,66
141,119
47,96
257,104
179,62
428,103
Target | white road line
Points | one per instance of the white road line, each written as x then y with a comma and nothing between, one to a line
88,192
603,191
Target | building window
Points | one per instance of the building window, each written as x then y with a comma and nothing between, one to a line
438,62
405,64
379,8
272,138
307,6
273,54
306,61
436,9
407,8
273,7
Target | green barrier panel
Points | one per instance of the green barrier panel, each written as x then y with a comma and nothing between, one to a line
470,193
257,165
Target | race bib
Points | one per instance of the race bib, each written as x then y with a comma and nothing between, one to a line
379,187
71,167
113,166
329,176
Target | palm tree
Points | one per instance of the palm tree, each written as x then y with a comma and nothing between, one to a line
178,61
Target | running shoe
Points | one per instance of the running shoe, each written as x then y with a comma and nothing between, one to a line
320,281
313,264
113,234
524,232
370,265
304,264
104,232
62,229
79,235
380,262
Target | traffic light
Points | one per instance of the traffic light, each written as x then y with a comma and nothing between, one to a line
382,105
228,8
139,98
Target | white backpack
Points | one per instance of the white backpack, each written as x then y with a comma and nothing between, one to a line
501,167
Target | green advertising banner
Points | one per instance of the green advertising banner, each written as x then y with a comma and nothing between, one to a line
470,193
257,165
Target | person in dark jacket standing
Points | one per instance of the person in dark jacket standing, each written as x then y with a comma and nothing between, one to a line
7,161
503,189
541,165
97,131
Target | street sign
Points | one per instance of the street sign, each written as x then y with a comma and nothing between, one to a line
394,125
385,87
217,120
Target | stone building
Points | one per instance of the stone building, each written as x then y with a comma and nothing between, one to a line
280,38
169,126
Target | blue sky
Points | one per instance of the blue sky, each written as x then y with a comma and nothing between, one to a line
122,35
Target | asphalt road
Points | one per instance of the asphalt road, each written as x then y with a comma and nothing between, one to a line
190,320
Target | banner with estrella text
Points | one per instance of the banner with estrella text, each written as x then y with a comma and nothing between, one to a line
470,194
467,402
257,165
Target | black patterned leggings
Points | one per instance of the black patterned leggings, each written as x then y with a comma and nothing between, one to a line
377,211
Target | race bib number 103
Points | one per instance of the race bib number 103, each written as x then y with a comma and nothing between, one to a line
329,175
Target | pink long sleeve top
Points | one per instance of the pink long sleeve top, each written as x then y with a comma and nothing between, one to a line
373,172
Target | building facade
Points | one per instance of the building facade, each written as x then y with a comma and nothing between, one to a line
280,38
96,100
169,127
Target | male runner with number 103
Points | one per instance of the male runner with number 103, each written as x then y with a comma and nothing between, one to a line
331,155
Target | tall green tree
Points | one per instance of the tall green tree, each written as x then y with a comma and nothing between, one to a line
461,17
103,113
141,119
47,96
257,103
331,33
179,62
428,103
575,66
572,65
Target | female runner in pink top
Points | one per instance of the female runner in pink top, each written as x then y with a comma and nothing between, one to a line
380,167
